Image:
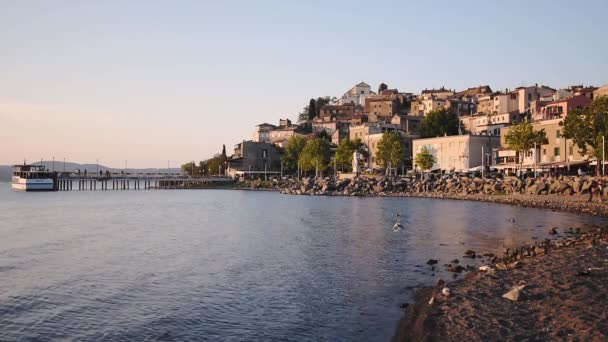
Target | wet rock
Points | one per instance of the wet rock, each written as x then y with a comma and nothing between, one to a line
469,254
455,269
455,261
431,262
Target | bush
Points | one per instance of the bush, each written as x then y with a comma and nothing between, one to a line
477,174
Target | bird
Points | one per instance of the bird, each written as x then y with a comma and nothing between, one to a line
512,220
445,291
397,226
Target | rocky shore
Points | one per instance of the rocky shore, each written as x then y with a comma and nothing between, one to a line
551,290
563,193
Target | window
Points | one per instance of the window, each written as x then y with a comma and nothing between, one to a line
529,97
556,151
362,92
544,151
571,150
558,134
513,96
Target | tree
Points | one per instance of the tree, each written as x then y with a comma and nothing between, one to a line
587,126
312,109
382,87
438,123
345,151
391,150
224,151
191,169
315,156
293,149
522,137
425,159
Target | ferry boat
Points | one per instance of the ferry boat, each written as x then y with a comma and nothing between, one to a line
32,178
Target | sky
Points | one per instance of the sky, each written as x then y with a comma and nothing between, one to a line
154,82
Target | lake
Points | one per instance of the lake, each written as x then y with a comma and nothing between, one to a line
226,265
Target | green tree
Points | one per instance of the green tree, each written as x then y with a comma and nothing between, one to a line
312,109
191,169
425,159
315,156
345,151
391,150
522,137
438,123
293,149
587,126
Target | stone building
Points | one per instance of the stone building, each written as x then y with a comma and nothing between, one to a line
254,160
261,132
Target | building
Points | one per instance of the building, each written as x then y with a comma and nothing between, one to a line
254,160
556,153
458,153
587,91
387,103
366,129
426,103
356,95
407,123
441,93
525,95
494,111
339,112
372,144
261,132
601,91
561,108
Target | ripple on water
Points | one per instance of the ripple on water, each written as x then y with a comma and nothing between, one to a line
232,266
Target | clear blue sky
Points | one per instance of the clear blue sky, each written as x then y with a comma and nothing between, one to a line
151,81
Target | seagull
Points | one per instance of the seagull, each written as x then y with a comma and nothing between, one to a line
397,226
512,220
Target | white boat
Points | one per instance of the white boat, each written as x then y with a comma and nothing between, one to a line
32,178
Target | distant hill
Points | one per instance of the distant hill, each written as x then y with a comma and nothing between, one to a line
5,170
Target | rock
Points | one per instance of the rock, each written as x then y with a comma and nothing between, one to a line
455,269
431,262
455,261
432,300
514,294
445,291
553,231
469,254
501,266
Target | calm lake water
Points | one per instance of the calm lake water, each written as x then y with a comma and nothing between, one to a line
215,265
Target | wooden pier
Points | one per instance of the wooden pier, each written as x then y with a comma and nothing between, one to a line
75,181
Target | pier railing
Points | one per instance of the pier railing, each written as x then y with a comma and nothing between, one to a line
134,181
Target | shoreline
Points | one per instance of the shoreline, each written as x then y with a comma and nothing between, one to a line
564,296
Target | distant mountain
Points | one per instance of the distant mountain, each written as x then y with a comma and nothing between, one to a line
5,173
5,170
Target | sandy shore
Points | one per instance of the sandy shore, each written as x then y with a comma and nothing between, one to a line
565,297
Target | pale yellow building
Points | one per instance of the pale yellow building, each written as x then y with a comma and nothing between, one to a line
458,153
558,152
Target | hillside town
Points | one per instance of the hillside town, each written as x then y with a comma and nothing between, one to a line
462,131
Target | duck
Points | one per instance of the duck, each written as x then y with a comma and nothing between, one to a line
397,226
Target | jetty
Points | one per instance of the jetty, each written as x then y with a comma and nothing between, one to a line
69,181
